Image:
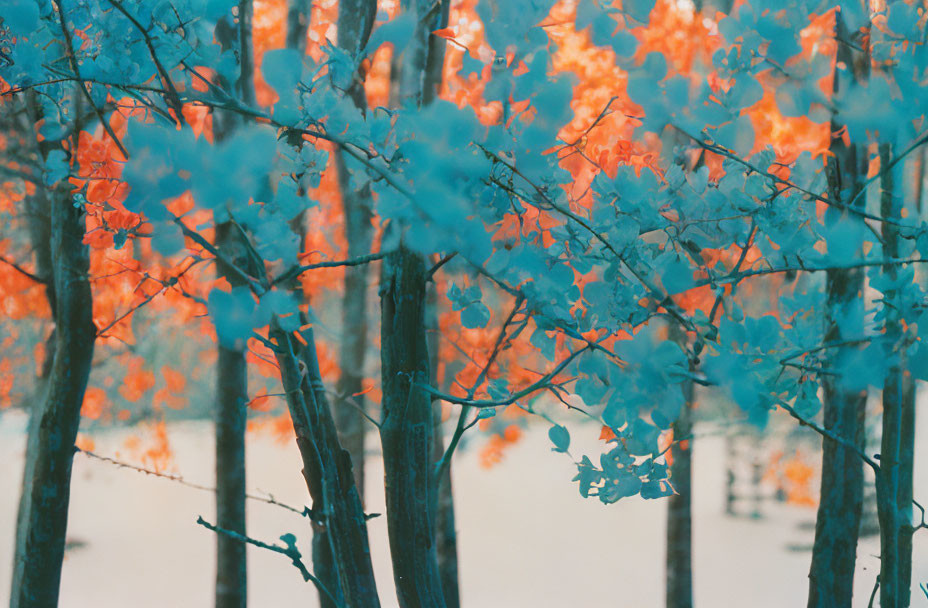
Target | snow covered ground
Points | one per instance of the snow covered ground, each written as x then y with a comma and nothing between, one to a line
526,536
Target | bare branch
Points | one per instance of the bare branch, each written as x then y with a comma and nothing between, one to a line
289,550
23,271
305,512
298,270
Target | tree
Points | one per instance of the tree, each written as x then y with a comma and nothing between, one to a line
43,510
834,554
628,203
234,34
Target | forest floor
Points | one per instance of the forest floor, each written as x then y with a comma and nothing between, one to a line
526,536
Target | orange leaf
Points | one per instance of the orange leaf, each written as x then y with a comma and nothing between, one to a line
174,379
94,401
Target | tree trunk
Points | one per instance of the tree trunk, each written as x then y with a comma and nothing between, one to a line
445,532
37,568
906,494
894,482
837,525
350,403
446,536
355,21
907,435
298,19
39,224
231,418
679,510
232,369
327,470
406,430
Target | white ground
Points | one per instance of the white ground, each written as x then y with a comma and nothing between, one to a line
526,536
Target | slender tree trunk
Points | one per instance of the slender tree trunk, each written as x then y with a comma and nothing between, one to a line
232,369
350,403
231,562
446,536
894,482
445,530
39,224
907,435
837,526
327,470
37,569
679,509
355,21
406,430
298,20
906,494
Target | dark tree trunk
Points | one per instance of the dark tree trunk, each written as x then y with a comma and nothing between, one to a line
679,510
231,564
406,430
837,525
445,531
355,20
298,20
350,404
327,470
44,515
39,224
446,538
905,494
894,481
232,369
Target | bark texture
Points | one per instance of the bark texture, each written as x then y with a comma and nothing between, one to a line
44,509
39,224
231,413
679,581
355,20
406,430
837,525
445,530
894,481
231,419
327,469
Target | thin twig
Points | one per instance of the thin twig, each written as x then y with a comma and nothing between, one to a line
23,271
298,270
305,512
438,265
289,550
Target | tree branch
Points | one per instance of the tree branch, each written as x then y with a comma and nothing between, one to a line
23,271
298,270
289,550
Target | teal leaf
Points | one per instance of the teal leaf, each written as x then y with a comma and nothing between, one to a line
56,167
398,32
560,437
232,314
476,315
